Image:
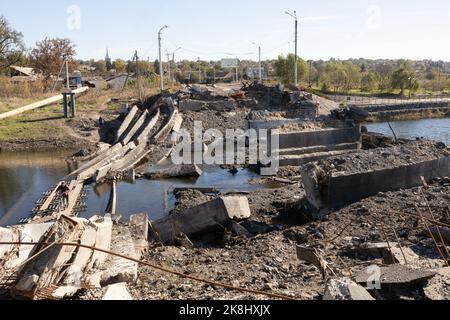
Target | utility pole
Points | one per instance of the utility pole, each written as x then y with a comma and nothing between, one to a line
259,62
296,46
310,69
161,71
237,71
174,66
138,79
66,58
168,65
260,65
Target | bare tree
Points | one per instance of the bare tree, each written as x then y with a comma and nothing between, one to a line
11,45
48,56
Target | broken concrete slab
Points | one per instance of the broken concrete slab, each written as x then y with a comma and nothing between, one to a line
45,270
345,289
139,229
200,219
184,170
7,235
27,233
324,137
102,241
126,123
117,292
65,292
438,288
191,105
395,275
117,268
135,128
73,274
327,187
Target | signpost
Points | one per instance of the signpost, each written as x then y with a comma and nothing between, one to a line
231,64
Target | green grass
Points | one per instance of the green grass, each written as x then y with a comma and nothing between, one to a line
37,124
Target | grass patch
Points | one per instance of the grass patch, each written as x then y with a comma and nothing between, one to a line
34,125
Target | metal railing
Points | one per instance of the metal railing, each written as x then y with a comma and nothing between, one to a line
365,100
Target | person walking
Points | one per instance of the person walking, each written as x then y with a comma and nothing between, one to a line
64,194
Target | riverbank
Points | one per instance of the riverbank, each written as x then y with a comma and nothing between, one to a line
407,111
45,129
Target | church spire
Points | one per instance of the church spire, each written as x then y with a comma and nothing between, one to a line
108,60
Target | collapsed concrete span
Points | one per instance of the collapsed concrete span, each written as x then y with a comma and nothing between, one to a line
339,181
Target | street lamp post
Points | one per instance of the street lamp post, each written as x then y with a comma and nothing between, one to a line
174,67
259,62
296,46
161,71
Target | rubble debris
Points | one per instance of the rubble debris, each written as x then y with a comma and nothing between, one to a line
103,241
438,288
13,256
117,292
126,123
50,267
200,219
345,289
138,226
439,232
312,256
174,171
335,182
396,275
118,269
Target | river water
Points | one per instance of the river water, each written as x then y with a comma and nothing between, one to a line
25,176
434,129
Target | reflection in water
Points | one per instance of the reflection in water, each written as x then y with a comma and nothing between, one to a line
23,179
156,197
25,176
434,129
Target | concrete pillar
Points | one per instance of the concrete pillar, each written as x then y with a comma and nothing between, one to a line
65,105
72,105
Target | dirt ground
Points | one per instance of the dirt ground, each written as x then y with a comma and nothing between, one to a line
268,262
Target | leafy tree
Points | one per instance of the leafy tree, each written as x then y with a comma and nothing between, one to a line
100,66
284,69
11,45
352,75
120,65
384,72
334,76
369,81
48,56
404,78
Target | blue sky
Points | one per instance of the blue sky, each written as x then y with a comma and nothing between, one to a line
217,29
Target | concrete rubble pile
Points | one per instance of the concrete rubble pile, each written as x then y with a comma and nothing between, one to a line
338,181
50,271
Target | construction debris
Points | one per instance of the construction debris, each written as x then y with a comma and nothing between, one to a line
175,171
204,218
345,289
117,292
395,275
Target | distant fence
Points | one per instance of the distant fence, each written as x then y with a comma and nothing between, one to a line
365,101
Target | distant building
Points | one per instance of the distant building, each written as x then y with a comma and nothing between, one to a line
24,73
119,81
108,61
253,73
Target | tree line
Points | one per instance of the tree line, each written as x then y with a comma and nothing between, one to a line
333,76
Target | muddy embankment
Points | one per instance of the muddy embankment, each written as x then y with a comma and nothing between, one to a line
30,145
410,111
